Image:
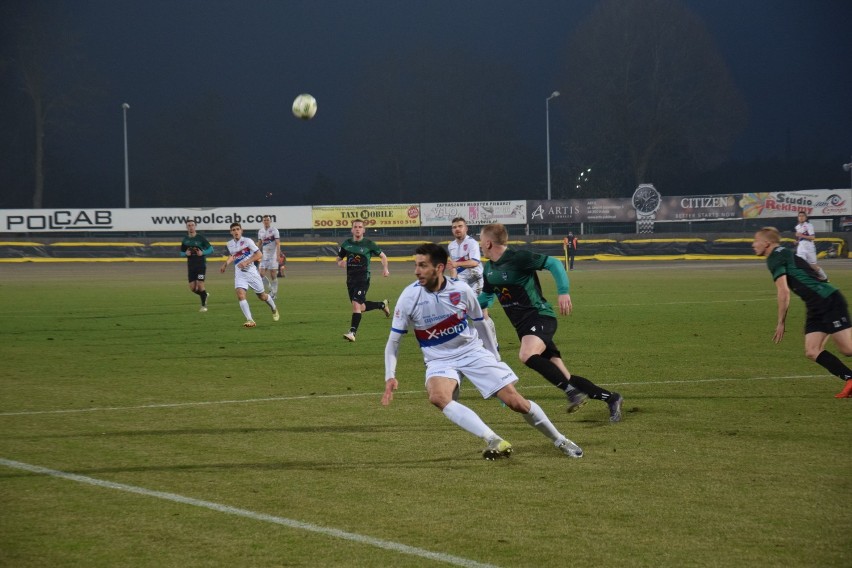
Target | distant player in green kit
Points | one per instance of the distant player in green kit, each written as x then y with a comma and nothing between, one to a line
827,311
511,276
196,249
354,254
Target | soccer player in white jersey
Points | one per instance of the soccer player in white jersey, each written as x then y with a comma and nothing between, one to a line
465,263
270,245
806,249
447,322
243,254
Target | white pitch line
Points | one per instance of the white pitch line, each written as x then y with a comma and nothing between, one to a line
375,394
182,404
679,302
290,523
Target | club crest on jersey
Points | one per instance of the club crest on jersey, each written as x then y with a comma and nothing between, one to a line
455,298
504,275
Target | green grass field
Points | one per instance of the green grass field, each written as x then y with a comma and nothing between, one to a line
177,438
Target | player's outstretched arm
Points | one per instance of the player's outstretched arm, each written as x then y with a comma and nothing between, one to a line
783,295
390,386
391,351
565,305
562,285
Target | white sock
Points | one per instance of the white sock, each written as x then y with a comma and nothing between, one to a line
822,274
274,287
246,310
468,420
270,302
539,420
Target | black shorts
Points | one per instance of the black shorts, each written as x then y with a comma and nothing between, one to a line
830,316
543,327
358,290
196,273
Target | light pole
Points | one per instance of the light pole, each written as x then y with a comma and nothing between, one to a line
124,107
553,95
848,168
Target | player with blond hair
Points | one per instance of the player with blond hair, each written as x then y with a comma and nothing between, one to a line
827,311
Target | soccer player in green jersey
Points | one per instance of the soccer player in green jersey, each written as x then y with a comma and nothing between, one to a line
511,275
827,311
355,254
196,249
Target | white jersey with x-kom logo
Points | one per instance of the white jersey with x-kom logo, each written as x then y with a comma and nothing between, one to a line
440,320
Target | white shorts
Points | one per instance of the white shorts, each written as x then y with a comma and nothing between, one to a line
480,367
473,279
807,250
269,263
248,279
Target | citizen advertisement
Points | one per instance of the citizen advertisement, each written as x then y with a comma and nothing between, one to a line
699,208
474,213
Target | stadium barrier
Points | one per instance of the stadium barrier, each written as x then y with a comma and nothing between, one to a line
598,247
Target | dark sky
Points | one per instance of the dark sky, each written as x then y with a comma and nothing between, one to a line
792,59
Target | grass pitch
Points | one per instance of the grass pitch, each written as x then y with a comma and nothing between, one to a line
200,443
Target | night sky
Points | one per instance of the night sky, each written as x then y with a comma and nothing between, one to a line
792,60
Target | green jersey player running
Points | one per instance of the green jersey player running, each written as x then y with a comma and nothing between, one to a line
196,249
354,254
511,276
827,311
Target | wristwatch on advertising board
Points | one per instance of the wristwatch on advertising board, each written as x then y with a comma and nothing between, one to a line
646,200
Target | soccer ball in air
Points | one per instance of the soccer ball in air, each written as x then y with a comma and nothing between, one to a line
304,107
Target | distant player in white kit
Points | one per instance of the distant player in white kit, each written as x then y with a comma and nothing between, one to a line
270,245
244,253
466,263
806,249
447,320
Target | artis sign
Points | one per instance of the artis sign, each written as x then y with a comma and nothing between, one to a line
58,220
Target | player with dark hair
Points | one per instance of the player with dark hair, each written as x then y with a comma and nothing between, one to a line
196,249
448,323
243,254
827,311
269,242
511,275
806,247
354,254
465,262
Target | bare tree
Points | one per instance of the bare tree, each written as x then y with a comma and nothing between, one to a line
46,56
649,97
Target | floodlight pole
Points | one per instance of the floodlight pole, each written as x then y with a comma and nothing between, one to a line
124,107
553,95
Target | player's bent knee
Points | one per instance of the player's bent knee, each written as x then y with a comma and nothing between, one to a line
812,354
440,400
